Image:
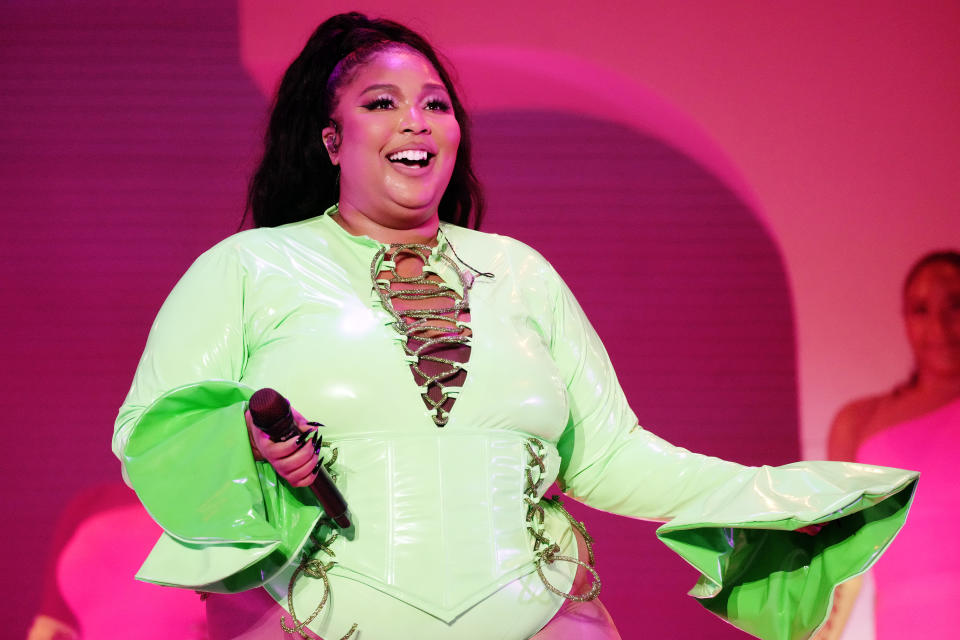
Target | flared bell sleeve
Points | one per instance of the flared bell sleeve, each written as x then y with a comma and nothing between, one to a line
735,524
229,524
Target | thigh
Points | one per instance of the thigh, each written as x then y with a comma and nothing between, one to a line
588,620
583,620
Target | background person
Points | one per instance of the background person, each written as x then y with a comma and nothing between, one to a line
916,424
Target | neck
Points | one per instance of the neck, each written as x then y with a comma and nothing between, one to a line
417,228
939,385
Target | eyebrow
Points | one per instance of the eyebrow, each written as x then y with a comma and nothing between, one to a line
432,86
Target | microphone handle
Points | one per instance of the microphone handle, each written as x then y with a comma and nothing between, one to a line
271,414
330,497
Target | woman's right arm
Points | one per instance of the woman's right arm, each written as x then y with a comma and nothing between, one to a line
197,336
183,438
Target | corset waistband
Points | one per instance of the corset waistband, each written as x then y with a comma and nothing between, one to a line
439,520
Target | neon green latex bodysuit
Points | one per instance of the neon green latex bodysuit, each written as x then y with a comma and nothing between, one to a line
445,526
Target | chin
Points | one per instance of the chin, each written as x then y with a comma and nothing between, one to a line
416,196
417,206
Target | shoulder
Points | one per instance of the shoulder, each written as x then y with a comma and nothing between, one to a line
233,246
462,236
247,247
850,424
494,252
251,240
859,410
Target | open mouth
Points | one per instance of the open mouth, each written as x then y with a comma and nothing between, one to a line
411,157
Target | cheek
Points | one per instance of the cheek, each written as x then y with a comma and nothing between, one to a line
451,145
363,139
455,138
915,330
451,137
954,321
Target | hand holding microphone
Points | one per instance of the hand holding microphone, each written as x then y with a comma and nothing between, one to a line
281,436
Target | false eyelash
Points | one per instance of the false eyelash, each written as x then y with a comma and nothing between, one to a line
379,103
440,105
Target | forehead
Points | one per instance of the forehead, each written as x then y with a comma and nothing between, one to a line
938,277
398,65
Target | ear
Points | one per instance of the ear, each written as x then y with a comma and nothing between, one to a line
331,141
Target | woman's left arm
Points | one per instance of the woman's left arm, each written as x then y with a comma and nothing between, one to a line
609,460
736,524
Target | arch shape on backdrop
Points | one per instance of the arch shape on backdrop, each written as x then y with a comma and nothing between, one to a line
508,78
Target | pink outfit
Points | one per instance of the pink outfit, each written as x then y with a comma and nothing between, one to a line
95,577
918,582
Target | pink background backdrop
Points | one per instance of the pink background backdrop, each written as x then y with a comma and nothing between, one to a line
750,179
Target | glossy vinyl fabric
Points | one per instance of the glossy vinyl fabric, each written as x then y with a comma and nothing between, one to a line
439,533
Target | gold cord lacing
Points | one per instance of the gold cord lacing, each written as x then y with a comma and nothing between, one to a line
430,327
545,550
315,569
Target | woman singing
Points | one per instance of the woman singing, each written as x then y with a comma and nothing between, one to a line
456,379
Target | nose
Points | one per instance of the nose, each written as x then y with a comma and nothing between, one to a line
413,121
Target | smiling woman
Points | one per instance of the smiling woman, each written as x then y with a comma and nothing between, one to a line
458,379
394,137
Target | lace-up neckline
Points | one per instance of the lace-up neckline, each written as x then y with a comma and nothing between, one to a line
433,316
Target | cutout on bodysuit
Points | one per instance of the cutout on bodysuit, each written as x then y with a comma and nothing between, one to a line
432,315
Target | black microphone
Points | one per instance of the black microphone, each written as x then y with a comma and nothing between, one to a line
271,414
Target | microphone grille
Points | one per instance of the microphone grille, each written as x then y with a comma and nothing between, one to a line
267,406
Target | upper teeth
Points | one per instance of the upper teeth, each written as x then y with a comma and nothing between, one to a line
409,154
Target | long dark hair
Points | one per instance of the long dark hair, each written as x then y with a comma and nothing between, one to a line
944,256
295,179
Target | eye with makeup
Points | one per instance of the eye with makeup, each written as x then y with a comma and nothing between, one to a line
438,104
380,103
384,103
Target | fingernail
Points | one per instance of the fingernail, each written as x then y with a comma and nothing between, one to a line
315,424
